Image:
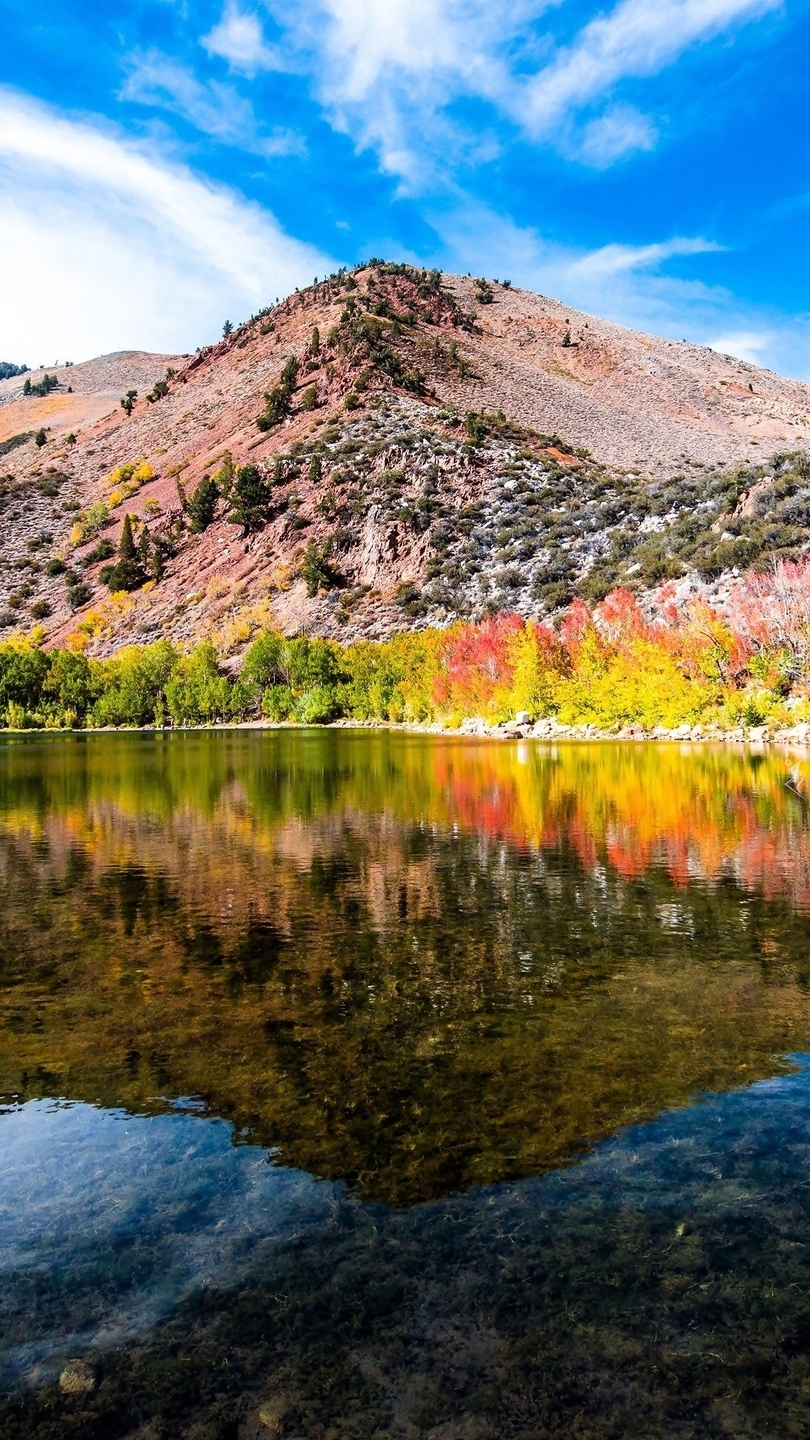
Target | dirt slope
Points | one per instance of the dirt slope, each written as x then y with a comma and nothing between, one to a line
599,456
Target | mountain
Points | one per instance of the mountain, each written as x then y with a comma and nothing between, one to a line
401,447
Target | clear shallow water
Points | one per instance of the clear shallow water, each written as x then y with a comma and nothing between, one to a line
491,1130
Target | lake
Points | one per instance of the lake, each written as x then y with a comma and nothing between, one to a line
366,1084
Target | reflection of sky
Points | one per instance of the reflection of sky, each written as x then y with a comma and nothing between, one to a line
114,1218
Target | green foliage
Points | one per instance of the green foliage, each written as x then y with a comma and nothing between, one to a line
55,567
309,398
276,408
250,498
197,692
78,594
40,439
132,685
69,689
227,329
225,475
130,571
159,391
317,571
202,505
23,668
128,401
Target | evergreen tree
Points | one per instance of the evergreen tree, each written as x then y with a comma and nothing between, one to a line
129,573
249,499
202,505
227,329
128,401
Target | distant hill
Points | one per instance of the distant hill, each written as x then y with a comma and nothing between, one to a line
440,446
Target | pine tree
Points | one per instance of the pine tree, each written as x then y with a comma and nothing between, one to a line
249,499
203,504
129,573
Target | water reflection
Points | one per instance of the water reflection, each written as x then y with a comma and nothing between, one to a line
418,988
413,965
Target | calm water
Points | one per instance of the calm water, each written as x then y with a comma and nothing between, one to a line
408,1087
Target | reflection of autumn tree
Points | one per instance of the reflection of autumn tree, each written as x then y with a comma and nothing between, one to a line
418,964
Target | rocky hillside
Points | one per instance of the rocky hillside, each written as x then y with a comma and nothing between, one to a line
389,448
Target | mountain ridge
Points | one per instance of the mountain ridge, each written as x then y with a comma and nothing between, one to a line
445,446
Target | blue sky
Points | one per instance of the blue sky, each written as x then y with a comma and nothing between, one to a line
165,165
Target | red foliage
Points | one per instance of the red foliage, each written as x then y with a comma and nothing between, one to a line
475,662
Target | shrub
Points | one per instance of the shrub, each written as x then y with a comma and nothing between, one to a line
318,706
40,439
309,399
78,594
55,567
278,702
41,609
317,571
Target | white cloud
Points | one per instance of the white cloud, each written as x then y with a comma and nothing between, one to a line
388,73
214,108
239,39
106,246
753,345
638,38
610,260
618,132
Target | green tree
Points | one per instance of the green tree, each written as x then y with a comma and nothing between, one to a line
225,475
129,572
309,399
132,685
315,342
128,401
69,689
276,408
202,505
249,499
197,692
227,329
40,439
23,668
316,570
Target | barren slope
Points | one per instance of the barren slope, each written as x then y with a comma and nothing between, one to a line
396,510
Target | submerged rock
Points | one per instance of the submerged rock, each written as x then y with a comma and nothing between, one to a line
77,1378
273,1412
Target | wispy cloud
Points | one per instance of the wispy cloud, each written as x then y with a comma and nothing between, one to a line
116,246
620,131
638,38
239,39
389,74
214,108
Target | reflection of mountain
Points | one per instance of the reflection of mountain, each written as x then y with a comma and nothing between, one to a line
413,963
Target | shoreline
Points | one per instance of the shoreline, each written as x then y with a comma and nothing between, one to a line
545,729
